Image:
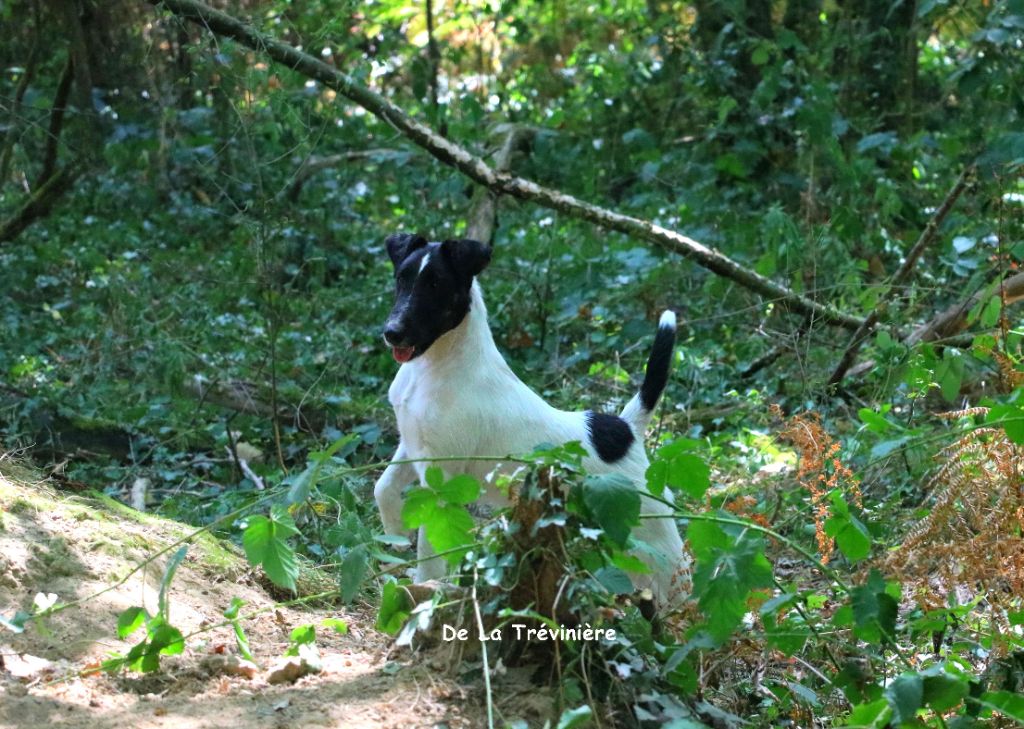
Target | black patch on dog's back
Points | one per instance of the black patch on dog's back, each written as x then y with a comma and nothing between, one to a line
610,435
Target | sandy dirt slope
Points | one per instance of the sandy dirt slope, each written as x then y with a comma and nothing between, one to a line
75,546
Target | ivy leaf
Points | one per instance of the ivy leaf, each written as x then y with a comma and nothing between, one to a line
264,543
614,503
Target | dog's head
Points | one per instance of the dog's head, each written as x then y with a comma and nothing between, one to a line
432,290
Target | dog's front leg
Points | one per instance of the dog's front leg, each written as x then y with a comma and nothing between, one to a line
388,492
428,567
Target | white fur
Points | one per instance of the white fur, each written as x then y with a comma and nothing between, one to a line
460,398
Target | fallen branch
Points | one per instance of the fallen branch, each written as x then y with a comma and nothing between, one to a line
40,202
315,164
927,237
954,319
246,397
483,213
476,169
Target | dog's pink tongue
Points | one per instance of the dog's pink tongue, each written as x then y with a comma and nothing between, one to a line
402,354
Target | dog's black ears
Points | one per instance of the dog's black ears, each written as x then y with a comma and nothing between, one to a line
467,257
400,245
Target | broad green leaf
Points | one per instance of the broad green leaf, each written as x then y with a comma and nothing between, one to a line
851,535
573,718
615,504
943,690
1005,702
448,527
872,714
265,545
1011,417
461,489
353,570
874,610
434,477
130,620
614,580
905,695
725,575
677,466
338,625
394,609
419,507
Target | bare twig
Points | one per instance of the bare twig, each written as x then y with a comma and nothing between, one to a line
476,169
928,236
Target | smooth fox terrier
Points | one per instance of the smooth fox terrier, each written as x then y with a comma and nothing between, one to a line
454,395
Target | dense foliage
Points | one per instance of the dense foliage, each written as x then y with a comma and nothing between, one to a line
191,255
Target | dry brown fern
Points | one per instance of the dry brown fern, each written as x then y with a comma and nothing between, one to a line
820,470
971,540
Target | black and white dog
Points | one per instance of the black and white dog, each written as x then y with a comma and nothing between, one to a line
455,395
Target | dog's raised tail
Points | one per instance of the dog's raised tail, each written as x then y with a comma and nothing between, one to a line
638,410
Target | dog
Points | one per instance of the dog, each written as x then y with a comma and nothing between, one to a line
454,395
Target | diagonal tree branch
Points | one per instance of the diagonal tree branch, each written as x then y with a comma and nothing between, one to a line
927,237
476,169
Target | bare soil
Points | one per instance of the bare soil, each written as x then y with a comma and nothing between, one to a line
78,547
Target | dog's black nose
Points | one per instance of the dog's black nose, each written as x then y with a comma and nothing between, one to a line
393,334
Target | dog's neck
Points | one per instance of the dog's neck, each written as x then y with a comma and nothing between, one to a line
471,342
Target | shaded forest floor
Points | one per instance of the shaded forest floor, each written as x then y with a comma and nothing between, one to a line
76,546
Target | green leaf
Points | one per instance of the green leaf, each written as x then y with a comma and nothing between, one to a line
450,526
419,507
1005,702
874,610
572,718
461,489
873,714
614,503
172,566
949,372
905,695
130,620
727,570
394,609
434,477
943,690
338,625
241,640
677,466
353,570
265,545
851,535
614,580
1011,417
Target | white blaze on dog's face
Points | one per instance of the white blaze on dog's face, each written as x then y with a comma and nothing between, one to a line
432,290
